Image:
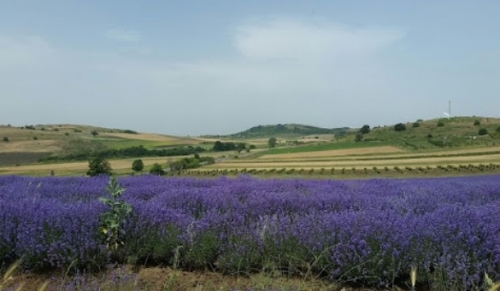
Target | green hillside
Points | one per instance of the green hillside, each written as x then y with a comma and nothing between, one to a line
436,133
287,131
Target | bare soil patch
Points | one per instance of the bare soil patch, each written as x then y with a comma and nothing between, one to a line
160,279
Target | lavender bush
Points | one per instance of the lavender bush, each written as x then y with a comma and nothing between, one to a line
369,231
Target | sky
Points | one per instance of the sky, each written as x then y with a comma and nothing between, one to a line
219,67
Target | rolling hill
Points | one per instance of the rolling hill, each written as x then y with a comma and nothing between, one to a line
287,131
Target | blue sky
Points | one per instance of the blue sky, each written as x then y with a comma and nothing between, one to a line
217,67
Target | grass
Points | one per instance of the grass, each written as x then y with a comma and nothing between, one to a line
319,147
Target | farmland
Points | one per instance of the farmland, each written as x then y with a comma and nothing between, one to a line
365,231
453,148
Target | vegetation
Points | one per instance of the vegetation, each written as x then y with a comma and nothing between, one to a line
82,150
272,142
228,146
209,224
94,133
440,124
477,123
6,139
137,165
365,129
399,127
111,222
482,131
99,166
157,169
416,124
287,130
190,163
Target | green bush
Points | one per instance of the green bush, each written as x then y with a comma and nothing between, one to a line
5,139
365,129
482,131
399,127
440,124
157,169
477,123
416,124
137,165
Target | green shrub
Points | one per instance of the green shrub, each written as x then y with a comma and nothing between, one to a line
416,124
440,124
482,131
137,165
399,127
157,169
477,123
5,139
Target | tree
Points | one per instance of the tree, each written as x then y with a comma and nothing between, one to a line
94,133
482,131
399,127
157,170
477,123
5,139
272,142
137,165
416,124
99,166
240,147
359,137
365,129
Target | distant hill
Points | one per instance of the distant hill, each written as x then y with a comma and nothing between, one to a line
287,130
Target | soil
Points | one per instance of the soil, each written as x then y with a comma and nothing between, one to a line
162,279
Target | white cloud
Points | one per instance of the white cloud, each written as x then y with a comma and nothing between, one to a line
122,35
290,39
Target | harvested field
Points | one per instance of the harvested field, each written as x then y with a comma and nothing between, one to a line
334,153
240,164
34,146
153,137
123,164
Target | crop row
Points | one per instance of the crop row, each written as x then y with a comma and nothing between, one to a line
369,231
470,168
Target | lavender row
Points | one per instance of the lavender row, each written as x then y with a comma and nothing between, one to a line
369,231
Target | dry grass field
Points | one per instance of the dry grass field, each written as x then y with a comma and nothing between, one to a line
170,140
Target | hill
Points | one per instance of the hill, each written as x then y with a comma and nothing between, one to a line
442,132
286,131
28,144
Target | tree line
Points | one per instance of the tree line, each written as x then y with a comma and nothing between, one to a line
130,152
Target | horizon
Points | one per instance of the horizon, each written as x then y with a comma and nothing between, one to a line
248,128
221,68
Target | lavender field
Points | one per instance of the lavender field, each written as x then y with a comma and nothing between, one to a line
367,231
